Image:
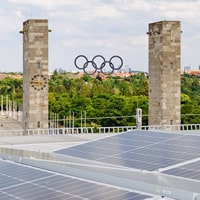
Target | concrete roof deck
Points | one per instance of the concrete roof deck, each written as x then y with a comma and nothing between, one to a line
47,143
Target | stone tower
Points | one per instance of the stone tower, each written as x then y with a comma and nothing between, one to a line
164,73
35,74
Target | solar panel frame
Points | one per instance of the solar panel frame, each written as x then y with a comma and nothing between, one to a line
189,171
53,186
154,183
101,172
132,149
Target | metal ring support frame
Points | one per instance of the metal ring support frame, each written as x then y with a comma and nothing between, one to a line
83,66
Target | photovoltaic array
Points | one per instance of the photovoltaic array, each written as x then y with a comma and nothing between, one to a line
191,171
144,150
27,183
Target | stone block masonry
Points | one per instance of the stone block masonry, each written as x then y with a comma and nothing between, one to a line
164,73
35,73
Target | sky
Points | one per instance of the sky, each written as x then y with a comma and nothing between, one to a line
97,27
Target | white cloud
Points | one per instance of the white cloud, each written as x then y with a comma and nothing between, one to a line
49,4
8,20
188,10
136,5
107,12
99,26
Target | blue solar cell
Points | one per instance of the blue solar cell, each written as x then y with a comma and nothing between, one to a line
138,164
147,158
139,149
178,145
51,186
191,171
4,196
160,152
21,172
104,193
6,181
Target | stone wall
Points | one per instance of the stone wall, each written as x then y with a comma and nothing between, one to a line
35,74
164,73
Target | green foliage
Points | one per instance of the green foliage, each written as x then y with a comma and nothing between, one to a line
12,88
190,85
113,101
109,102
190,99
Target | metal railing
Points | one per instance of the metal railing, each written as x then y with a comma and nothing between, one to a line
100,130
181,127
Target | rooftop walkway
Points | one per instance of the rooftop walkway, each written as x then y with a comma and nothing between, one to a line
8,123
47,143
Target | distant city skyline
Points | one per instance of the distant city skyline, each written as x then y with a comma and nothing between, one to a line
105,27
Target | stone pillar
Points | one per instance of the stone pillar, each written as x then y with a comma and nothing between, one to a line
164,73
35,74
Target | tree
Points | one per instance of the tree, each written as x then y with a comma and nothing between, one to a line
109,102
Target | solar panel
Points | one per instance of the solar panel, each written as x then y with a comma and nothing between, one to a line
191,171
144,150
27,183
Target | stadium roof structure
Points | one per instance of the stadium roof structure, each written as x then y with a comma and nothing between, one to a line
132,165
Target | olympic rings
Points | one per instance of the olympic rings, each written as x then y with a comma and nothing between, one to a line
98,62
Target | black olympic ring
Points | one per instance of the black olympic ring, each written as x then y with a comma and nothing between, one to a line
83,66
